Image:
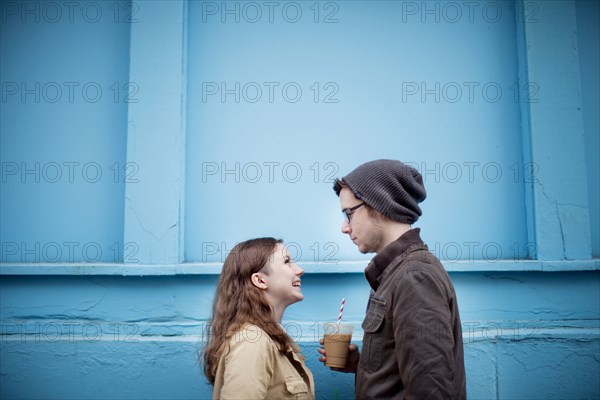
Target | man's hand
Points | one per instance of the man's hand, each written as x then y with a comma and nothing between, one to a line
351,362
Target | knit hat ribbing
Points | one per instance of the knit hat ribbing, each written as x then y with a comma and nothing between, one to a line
390,187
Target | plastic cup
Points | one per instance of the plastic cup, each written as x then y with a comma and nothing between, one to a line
336,340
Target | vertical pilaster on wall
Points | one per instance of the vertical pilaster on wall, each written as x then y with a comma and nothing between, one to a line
553,129
156,134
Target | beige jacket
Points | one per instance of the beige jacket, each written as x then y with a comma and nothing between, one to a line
255,369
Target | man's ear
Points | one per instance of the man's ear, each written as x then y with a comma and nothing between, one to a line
377,218
258,280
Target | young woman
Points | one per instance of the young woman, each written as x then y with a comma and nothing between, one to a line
248,354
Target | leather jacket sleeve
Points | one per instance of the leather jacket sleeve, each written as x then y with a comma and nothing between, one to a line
423,334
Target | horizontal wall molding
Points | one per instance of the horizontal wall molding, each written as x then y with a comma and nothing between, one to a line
93,331
309,267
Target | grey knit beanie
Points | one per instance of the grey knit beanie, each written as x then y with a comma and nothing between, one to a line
389,186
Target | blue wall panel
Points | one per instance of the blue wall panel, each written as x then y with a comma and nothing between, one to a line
526,335
588,40
63,125
274,118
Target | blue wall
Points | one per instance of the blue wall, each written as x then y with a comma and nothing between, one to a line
106,281
63,131
588,39
356,85
526,334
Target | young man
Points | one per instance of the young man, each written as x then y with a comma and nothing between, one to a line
412,344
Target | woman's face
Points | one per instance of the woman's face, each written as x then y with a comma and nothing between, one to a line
283,279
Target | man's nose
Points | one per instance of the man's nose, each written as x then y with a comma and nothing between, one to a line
346,227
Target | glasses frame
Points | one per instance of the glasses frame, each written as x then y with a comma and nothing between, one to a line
349,211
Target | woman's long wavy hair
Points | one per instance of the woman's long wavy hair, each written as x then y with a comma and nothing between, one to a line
238,302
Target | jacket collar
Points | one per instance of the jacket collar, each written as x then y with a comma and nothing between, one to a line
383,259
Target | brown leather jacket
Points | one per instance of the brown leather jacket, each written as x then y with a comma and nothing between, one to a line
412,346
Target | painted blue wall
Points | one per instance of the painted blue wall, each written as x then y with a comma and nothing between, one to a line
362,82
526,334
63,131
127,321
588,40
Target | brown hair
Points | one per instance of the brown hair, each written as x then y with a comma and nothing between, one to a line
238,302
338,185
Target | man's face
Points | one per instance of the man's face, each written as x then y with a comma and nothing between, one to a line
365,231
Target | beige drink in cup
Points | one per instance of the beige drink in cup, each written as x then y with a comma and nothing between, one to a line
336,340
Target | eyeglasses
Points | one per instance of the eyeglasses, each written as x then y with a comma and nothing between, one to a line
349,211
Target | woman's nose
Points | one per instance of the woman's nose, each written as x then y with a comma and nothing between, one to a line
299,271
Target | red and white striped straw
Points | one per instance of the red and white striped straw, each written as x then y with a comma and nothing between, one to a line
341,311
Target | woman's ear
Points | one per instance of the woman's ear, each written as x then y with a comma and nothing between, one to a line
258,280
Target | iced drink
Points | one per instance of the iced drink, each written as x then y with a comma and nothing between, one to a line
336,340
